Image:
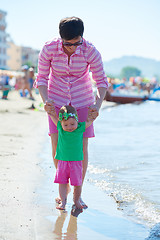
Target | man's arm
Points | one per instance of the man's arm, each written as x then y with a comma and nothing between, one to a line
48,103
101,92
93,110
43,92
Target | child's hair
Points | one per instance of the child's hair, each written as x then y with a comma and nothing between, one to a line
69,110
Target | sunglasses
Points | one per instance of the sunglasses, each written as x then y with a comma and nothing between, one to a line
72,44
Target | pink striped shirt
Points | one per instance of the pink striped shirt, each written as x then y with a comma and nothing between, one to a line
70,83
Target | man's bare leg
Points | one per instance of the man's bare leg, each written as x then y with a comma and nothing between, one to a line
85,161
85,165
54,140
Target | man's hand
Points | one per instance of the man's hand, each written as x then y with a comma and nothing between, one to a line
93,112
49,107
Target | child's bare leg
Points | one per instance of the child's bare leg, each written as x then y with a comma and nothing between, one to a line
58,199
76,196
85,161
63,196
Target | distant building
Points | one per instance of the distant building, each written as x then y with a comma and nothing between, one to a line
3,41
30,56
19,56
15,57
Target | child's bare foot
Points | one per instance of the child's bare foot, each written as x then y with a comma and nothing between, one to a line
61,206
78,204
58,200
75,211
83,204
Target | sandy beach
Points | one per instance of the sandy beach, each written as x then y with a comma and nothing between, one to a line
27,206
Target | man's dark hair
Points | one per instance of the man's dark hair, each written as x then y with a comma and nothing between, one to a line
71,27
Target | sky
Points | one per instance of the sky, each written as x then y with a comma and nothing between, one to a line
116,27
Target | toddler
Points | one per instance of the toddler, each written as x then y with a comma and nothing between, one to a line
69,153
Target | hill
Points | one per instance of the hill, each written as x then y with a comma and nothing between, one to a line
149,67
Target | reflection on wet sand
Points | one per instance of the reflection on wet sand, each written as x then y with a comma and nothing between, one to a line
71,233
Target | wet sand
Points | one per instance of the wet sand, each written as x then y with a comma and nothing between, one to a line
27,207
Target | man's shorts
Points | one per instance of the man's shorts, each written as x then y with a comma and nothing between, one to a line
69,170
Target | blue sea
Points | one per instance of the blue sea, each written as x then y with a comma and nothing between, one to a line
124,159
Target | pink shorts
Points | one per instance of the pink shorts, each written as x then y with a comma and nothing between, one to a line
69,170
82,117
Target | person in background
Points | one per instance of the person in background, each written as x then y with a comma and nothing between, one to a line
63,78
5,85
26,81
31,78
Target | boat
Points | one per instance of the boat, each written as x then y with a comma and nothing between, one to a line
157,99
124,99
155,95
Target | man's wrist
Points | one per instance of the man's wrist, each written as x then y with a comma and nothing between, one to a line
97,105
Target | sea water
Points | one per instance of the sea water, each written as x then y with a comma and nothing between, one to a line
124,159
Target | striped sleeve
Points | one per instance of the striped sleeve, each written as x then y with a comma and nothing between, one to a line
44,64
96,67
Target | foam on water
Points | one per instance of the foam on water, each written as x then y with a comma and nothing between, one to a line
133,203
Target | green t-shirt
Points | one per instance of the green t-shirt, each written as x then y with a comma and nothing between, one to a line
70,144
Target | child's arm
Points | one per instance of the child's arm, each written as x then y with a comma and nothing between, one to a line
89,121
54,119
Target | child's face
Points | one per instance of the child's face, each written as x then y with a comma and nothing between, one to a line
69,125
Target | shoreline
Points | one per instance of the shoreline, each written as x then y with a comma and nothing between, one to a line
28,192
